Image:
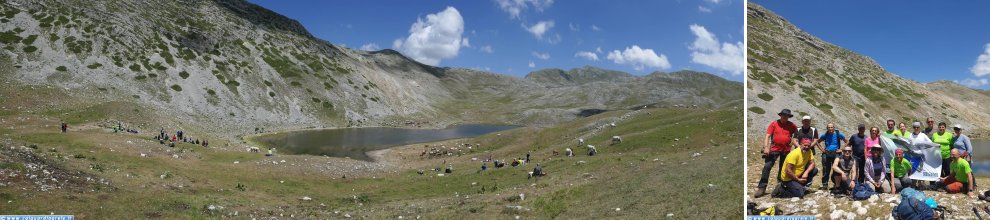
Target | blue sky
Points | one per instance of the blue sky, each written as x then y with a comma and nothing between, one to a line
921,40
516,36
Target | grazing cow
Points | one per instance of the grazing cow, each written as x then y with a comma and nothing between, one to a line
612,124
616,140
592,151
580,141
254,150
568,152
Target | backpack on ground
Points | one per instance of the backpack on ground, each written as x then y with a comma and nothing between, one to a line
862,192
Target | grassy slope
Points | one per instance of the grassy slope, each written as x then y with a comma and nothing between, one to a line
643,176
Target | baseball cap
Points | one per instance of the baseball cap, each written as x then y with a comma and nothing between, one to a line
916,124
959,126
806,117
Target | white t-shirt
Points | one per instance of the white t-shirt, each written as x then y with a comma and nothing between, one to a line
919,138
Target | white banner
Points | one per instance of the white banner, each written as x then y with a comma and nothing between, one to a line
925,157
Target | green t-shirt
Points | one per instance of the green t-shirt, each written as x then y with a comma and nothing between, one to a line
895,132
944,141
962,170
900,168
906,134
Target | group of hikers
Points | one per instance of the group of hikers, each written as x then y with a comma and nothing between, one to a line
179,136
858,162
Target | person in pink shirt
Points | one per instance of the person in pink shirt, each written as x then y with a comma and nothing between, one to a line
873,139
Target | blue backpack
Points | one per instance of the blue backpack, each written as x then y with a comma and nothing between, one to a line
911,209
862,192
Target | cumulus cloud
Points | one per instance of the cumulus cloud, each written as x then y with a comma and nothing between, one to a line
639,58
704,9
587,55
487,49
435,38
370,47
531,64
595,28
516,7
707,50
973,82
465,43
542,56
539,28
982,66
598,50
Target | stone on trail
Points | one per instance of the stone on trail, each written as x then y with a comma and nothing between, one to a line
857,204
861,210
670,215
618,209
873,199
236,162
795,199
837,214
851,216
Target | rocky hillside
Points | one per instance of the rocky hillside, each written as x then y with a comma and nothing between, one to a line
233,64
789,68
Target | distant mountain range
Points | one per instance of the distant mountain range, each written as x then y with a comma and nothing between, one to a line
234,64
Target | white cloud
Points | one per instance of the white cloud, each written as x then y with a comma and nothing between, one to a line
516,7
554,39
982,66
487,49
531,64
595,28
436,38
370,47
639,58
973,82
598,50
707,50
539,28
587,55
542,56
465,43
714,1
704,9
574,27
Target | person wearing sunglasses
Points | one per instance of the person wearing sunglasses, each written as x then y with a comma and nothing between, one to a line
845,168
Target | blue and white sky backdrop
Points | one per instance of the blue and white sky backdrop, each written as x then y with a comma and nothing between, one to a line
516,37
920,40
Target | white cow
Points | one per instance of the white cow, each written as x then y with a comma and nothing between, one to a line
580,141
254,149
616,140
568,152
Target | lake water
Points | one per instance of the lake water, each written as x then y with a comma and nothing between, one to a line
981,157
356,142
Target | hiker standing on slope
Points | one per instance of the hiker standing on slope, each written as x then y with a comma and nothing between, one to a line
833,140
944,140
904,131
64,127
776,145
961,141
931,126
806,131
858,143
890,129
799,170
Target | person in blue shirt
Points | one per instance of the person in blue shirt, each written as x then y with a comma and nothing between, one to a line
832,139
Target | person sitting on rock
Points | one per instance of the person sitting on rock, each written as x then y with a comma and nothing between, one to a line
799,169
844,172
900,169
537,171
960,178
876,170
270,153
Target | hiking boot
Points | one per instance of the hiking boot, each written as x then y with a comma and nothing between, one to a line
760,192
